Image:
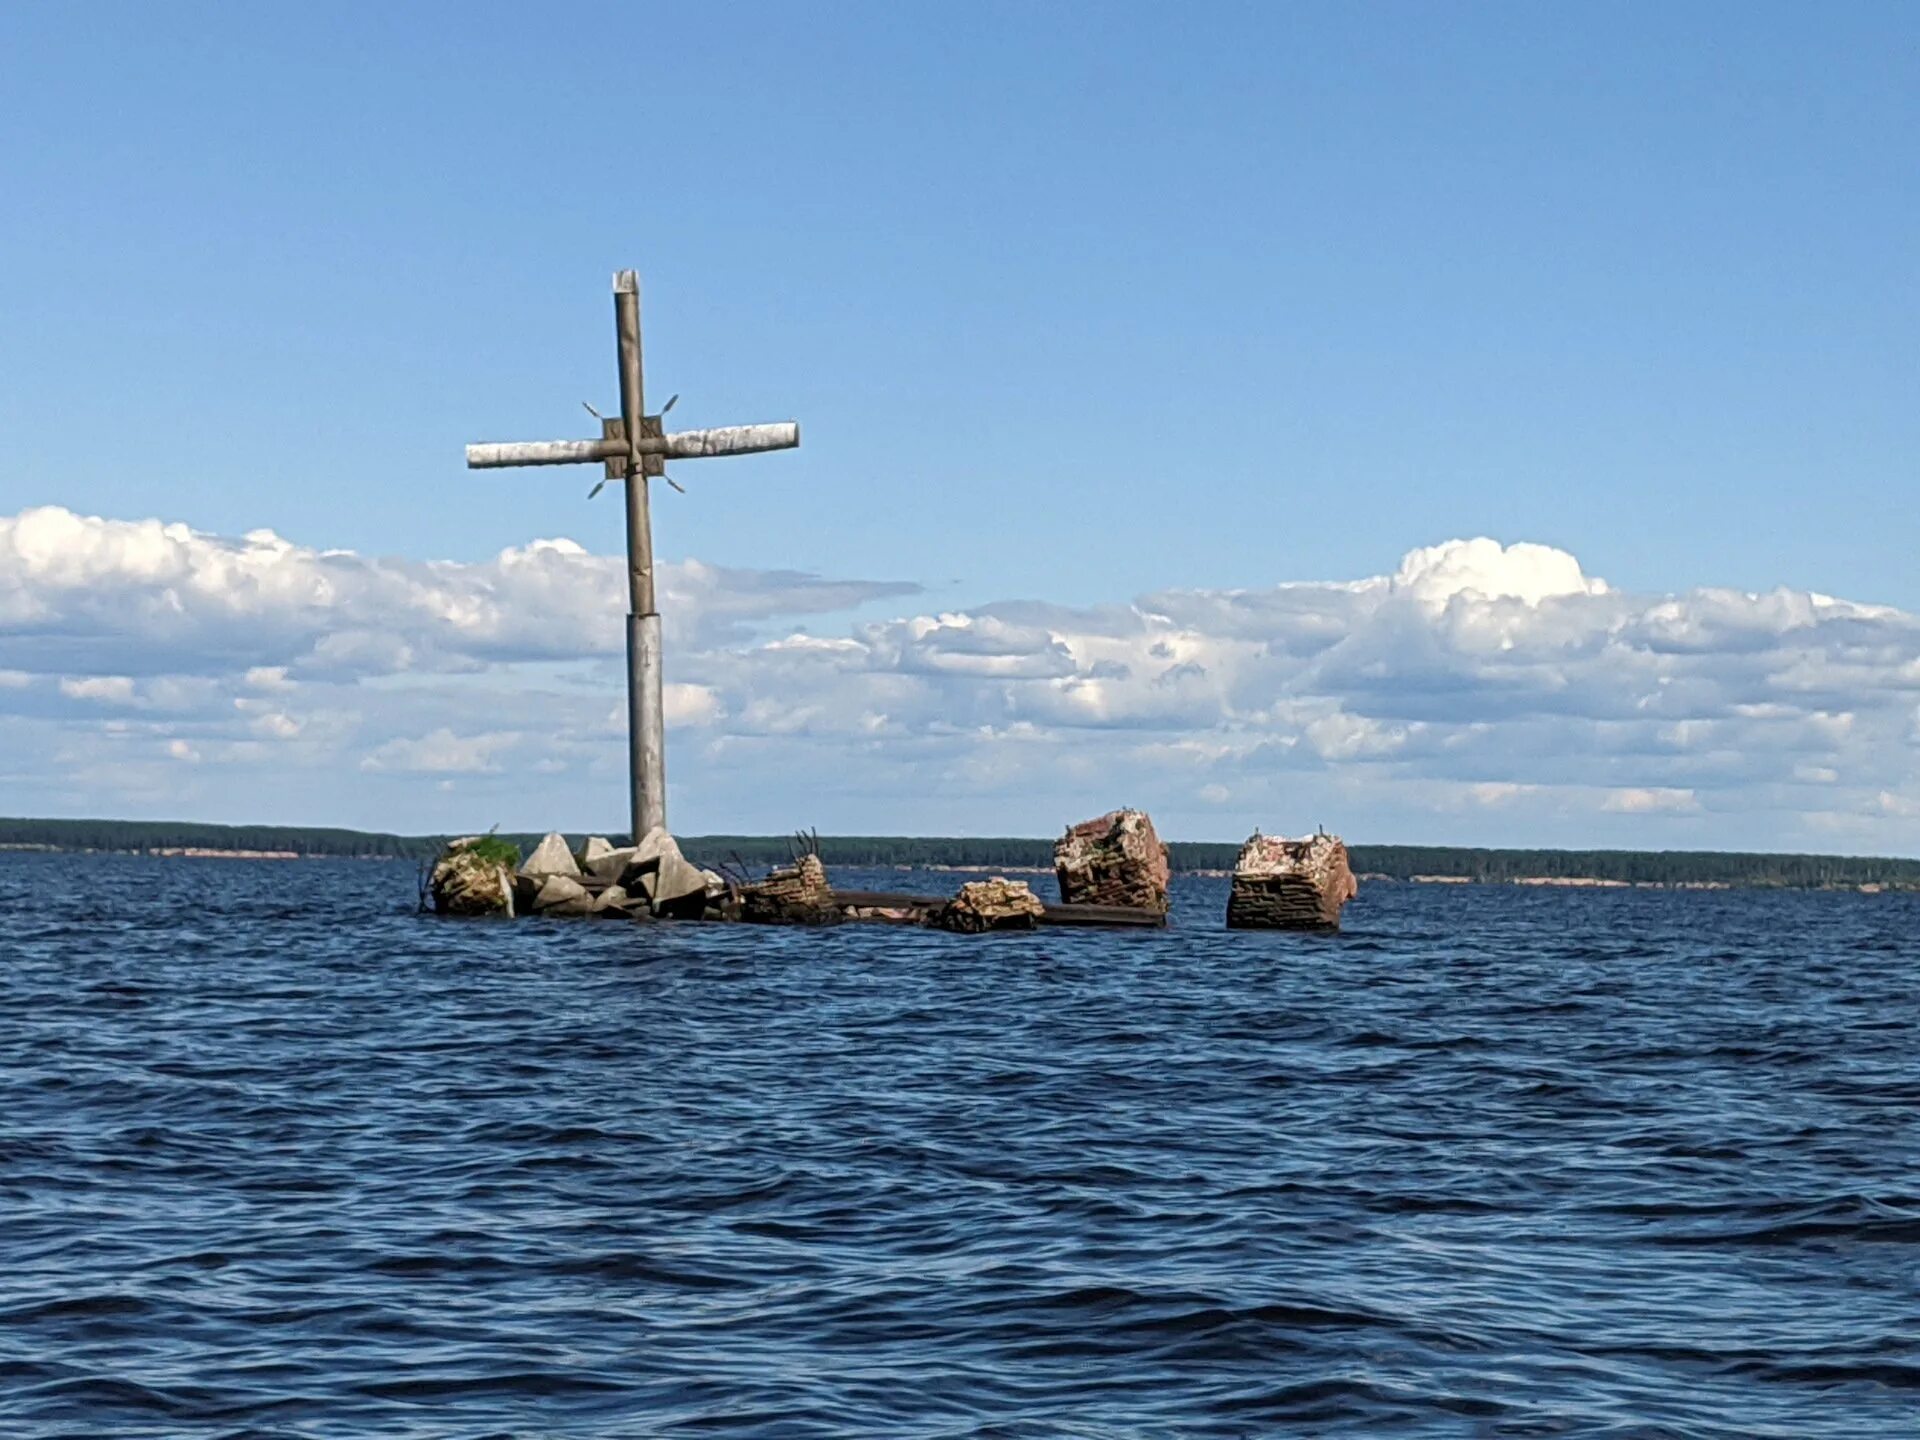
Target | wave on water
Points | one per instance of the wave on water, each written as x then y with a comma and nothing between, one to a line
281,1158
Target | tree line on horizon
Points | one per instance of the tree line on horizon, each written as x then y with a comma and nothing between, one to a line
1397,862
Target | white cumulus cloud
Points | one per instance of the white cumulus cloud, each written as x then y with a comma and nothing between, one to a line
109,689
134,597
1468,683
1643,801
440,752
1492,571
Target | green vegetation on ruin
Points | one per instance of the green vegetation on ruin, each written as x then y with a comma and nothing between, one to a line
496,850
1398,862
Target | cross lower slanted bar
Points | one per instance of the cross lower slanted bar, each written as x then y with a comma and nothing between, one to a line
633,448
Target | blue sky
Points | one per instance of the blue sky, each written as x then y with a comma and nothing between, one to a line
1076,305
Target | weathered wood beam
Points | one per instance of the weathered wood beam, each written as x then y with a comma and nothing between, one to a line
682,445
887,900
1101,915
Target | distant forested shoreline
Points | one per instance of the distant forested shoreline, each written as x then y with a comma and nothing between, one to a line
1394,862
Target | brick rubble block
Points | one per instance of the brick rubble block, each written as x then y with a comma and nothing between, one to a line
797,894
1117,859
1290,884
996,904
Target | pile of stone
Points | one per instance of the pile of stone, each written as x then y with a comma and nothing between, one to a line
1117,859
996,904
1283,884
634,882
549,882
471,877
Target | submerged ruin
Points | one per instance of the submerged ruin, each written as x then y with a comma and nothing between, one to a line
1115,859
1281,884
1111,871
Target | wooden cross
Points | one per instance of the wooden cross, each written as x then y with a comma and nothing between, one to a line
634,448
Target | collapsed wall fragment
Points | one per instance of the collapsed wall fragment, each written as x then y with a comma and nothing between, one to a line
1115,859
1281,884
796,894
995,904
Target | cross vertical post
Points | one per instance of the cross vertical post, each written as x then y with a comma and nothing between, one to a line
635,448
646,718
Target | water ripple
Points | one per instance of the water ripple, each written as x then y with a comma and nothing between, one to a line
280,1158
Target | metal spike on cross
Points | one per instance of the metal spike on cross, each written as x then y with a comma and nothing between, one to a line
634,448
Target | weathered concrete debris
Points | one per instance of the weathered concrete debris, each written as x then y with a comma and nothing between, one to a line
466,882
609,865
551,857
612,903
671,883
633,882
1117,859
1283,884
561,895
797,894
652,845
995,904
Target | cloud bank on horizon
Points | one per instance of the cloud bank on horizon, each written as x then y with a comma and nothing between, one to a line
1479,693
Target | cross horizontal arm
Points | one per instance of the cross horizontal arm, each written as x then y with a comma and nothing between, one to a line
542,452
727,440
683,445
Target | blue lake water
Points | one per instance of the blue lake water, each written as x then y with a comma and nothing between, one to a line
279,1157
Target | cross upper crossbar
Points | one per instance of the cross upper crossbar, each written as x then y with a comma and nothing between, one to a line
681,445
